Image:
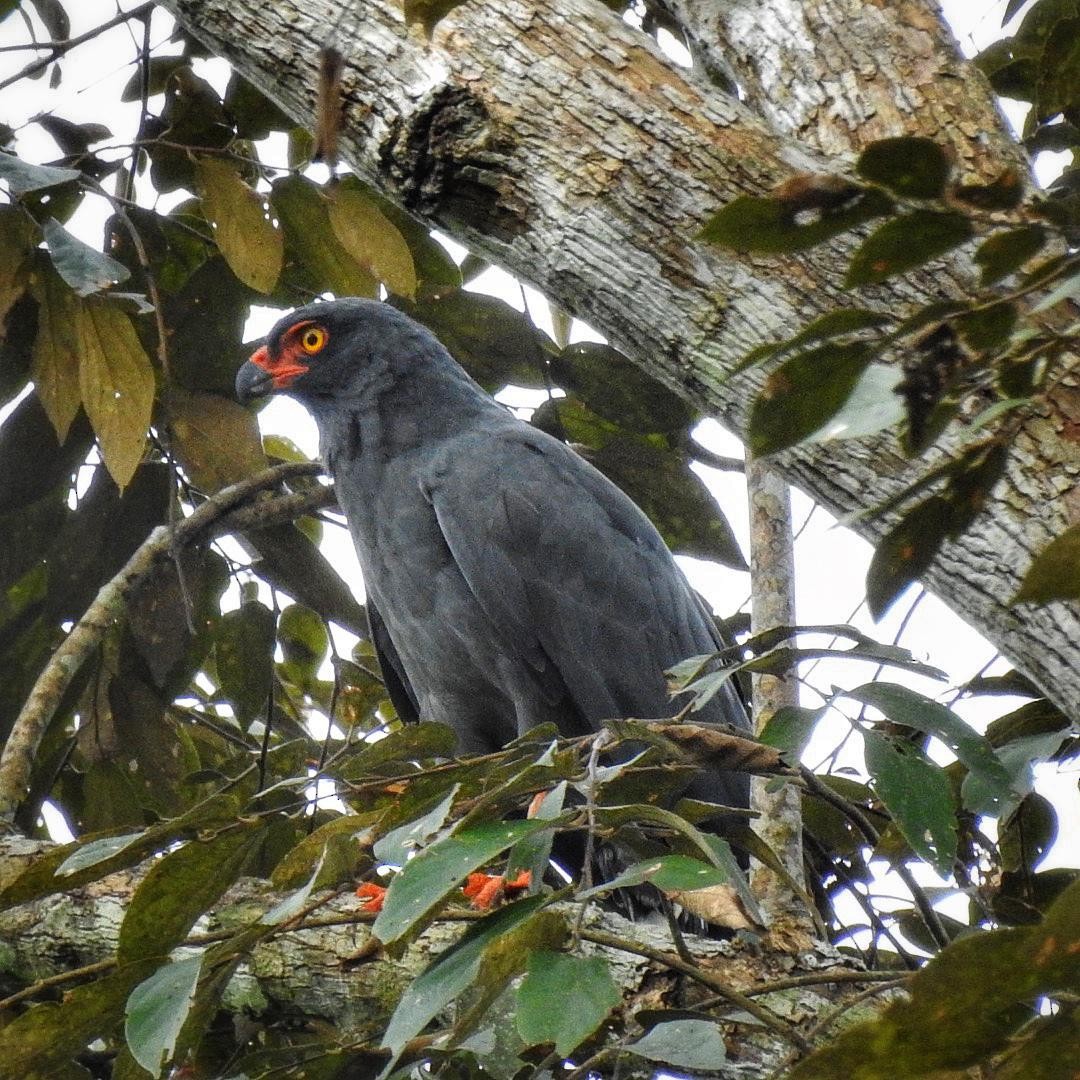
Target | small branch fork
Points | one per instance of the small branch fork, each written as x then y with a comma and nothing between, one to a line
229,510
59,48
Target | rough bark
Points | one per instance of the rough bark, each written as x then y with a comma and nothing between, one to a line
314,975
560,143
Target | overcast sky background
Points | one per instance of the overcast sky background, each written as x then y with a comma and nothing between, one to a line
831,562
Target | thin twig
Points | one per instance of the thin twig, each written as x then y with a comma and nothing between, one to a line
929,916
599,741
589,1065
59,979
721,462
706,978
59,48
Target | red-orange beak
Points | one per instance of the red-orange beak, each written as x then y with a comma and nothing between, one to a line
262,375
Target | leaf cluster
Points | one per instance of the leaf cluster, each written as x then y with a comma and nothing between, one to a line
959,375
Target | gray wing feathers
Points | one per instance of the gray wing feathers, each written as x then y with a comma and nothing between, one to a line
570,573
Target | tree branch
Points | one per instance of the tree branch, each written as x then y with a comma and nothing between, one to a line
16,763
308,970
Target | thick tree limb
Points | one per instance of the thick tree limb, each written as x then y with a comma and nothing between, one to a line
325,971
559,142
208,520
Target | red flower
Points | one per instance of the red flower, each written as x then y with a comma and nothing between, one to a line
485,890
372,896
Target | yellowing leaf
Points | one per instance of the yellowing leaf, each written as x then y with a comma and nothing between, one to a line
369,237
215,439
15,245
55,363
324,263
252,246
117,385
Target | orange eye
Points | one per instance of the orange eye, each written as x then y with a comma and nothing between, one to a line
313,339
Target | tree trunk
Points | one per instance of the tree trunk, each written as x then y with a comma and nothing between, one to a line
557,141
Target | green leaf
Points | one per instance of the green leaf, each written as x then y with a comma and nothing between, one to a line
452,973
304,641
1048,1045
872,406
180,888
671,873
1055,573
1006,252
966,1004
159,71
674,497
618,390
904,706
309,236
503,960
439,869
836,323
1067,289
414,742
1027,833
209,309
55,364
773,224
291,562
338,841
716,850
215,439
21,177
117,384
41,1042
790,728
301,147
563,999
1058,74
905,243
96,851
988,328
974,476
254,113
157,1010
399,844
244,653
72,138
18,236
906,551
911,166
371,239
297,900
917,794
685,1043
494,342
804,393
84,268
253,247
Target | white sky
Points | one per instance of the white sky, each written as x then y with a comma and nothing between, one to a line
831,561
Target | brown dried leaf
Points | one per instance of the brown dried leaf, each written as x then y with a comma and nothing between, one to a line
716,904
713,746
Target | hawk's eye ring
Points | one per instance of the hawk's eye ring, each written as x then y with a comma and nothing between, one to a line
313,339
